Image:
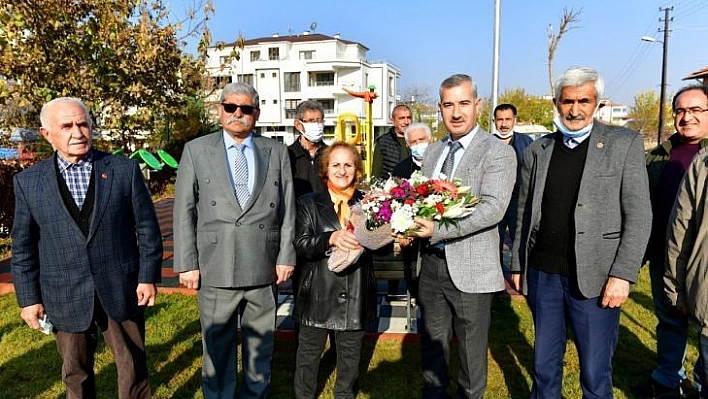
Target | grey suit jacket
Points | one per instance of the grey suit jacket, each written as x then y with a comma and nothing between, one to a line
472,249
612,213
233,247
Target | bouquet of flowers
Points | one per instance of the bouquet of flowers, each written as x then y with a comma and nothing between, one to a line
392,205
399,200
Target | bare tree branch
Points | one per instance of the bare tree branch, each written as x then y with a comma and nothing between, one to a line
567,22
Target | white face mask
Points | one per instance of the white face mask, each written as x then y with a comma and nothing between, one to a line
503,136
314,131
418,150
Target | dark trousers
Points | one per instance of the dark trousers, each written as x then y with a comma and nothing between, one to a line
219,309
671,331
556,302
508,221
443,308
311,344
127,343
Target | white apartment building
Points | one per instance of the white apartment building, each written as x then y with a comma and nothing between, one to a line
286,70
613,113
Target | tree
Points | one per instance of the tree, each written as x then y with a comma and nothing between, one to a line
531,109
644,114
422,104
567,21
121,57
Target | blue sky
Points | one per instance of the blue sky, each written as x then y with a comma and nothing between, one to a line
430,40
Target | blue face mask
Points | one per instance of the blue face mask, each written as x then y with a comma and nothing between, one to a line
418,150
571,134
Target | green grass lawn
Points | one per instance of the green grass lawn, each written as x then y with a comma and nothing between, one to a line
31,368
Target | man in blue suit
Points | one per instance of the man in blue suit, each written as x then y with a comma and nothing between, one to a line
86,251
504,121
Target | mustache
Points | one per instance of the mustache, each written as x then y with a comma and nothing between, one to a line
575,118
233,119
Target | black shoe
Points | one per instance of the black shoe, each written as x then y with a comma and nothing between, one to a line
653,389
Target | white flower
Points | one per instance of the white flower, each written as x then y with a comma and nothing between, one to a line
390,185
456,211
402,219
417,178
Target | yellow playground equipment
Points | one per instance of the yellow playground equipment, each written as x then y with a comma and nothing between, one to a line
349,129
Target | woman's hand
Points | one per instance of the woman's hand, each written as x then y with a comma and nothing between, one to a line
344,240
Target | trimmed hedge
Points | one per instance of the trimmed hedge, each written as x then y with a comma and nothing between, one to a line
159,182
8,168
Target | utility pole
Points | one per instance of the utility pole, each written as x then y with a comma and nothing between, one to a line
662,96
495,65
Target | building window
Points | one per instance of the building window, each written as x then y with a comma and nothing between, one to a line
275,102
255,55
291,81
328,105
262,75
246,78
390,85
222,80
225,60
321,79
274,53
307,55
290,107
275,75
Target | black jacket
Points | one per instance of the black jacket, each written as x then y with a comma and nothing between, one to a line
305,169
324,299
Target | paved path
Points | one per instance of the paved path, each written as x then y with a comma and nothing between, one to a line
393,316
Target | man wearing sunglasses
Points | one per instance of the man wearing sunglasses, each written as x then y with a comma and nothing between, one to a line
234,217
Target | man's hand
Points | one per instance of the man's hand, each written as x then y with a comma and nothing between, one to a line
516,280
615,292
31,315
283,272
146,294
190,279
424,228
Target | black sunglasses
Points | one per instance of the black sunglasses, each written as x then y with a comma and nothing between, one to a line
231,108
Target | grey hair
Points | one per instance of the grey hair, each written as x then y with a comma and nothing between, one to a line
417,126
456,80
577,76
45,108
308,105
240,88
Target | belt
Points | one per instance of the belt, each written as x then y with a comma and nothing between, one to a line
438,252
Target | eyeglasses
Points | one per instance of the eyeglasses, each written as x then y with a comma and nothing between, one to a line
231,108
312,120
679,112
